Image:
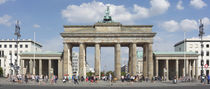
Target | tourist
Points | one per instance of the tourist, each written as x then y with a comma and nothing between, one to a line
86,79
46,79
208,78
32,77
82,78
203,79
26,79
122,78
69,79
76,80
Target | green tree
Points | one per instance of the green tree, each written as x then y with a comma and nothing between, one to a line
102,73
107,73
89,74
123,73
1,72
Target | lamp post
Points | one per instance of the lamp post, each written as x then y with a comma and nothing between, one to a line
17,33
201,32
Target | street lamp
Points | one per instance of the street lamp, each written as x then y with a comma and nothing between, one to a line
17,33
201,37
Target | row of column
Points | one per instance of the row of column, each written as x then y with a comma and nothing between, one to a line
32,64
82,59
186,71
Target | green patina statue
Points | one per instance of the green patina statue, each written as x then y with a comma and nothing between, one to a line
107,17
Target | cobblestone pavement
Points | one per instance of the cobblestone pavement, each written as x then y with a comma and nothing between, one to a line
4,81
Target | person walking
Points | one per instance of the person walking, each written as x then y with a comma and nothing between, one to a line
26,79
208,78
76,80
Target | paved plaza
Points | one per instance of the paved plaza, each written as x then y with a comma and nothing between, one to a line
100,84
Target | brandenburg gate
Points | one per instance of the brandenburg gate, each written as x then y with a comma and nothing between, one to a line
108,34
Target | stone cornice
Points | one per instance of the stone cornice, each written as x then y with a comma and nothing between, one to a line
152,34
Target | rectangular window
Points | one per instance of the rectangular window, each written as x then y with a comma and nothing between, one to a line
10,46
0,46
196,45
21,46
10,52
191,45
0,63
26,46
207,46
0,53
207,62
207,53
15,46
5,46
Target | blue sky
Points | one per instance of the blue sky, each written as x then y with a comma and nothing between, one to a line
47,17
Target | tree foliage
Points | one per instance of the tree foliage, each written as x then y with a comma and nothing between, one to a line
1,72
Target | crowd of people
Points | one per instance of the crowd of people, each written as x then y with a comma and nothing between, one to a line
43,79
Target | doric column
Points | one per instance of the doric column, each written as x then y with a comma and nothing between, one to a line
49,68
167,70
117,61
196,69
145,60
129,66
34,67
97,59
31,66
177,68
82,63
60,69
40,66
67,59
189,68
157,67
130,60
186,67
193,69
22,66
150,61
133,62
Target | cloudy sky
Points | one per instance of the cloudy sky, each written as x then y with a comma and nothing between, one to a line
171,18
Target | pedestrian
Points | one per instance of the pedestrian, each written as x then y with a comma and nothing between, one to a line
122,78
110,78
69,79
26,79
76,80
208,78
203,79
46,79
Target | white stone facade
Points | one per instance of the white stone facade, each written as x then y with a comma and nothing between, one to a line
8,52
75,64
194,45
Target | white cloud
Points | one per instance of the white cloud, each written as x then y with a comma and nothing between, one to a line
54,44
171,26
94,11
36,26
6,20
206,21
188,25
198,4
159,6
179,5
185,24
3,1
